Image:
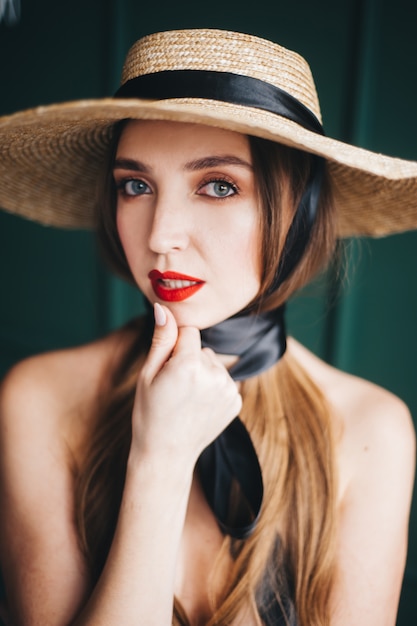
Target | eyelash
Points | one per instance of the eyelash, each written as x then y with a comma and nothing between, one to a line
121,186
216,179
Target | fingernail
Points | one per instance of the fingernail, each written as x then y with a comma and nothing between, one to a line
160,315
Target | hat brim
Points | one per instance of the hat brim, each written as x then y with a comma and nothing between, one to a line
50,158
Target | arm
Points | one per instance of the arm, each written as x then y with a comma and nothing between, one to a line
374,514
172,423
43,570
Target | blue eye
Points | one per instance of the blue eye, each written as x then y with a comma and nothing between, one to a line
222,189
134,187
219,189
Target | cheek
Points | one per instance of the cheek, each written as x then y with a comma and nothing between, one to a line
241,254
249,250
129,235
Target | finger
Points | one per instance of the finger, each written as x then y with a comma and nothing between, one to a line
189,341
163,341
212,357
209,352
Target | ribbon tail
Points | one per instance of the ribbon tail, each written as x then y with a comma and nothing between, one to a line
231,478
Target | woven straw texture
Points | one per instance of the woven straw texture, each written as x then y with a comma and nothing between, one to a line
50,156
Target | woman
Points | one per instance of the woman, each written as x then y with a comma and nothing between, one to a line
131,492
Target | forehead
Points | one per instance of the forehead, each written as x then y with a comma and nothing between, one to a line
155,136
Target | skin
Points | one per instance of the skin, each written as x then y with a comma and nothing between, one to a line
167,539
171,216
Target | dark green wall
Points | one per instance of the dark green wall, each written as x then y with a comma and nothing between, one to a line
54,291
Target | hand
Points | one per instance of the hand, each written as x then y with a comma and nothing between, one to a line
185,396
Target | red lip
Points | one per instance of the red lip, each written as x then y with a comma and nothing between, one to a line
172,292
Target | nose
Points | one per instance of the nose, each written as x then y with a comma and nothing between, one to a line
169,229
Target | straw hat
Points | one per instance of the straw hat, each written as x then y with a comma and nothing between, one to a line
50,156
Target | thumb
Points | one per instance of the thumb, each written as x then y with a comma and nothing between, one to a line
163,341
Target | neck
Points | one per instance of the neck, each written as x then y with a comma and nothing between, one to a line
255,340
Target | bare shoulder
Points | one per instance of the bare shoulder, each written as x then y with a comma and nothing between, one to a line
374,426
54,392
375,455
45,417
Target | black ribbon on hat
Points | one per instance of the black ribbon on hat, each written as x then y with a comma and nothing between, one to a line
223,86
229,468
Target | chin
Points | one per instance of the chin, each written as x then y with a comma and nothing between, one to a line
199,315
195,316
187,318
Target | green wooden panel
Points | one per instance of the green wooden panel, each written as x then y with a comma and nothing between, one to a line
55,292
375,318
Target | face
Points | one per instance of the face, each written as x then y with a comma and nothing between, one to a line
188,218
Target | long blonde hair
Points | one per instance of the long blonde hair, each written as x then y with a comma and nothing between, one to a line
291,552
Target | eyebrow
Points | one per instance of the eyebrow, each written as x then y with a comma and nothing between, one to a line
130,164
215,161
204,163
